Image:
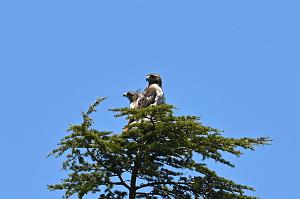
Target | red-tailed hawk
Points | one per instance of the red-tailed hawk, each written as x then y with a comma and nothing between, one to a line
133,98
153,94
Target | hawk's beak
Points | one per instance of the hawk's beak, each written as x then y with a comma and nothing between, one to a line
148,77
125,94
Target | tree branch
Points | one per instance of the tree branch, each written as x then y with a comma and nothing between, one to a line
123,182
118,174
159,183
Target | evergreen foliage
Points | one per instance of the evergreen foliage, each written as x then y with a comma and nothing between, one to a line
159,156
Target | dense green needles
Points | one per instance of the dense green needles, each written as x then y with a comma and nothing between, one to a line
156,157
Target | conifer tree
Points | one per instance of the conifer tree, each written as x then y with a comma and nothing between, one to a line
159,156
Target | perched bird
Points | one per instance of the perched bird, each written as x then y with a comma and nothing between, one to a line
153,94
133,98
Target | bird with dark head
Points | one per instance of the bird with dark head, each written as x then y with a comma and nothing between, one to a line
153,94
133,98
154,79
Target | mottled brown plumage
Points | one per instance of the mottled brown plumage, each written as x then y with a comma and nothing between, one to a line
153,94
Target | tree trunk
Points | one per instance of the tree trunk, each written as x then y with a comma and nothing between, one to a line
132,191
132,194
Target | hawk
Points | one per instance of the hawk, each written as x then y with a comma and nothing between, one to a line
133,98
153,94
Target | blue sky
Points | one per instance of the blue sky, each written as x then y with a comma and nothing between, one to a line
234,63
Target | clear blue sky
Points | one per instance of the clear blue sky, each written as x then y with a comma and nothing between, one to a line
234,63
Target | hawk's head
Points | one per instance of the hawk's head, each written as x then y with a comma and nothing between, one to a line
132,96
154,79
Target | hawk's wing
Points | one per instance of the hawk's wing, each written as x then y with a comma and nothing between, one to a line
147,98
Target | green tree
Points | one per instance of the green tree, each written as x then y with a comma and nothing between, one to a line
160,156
